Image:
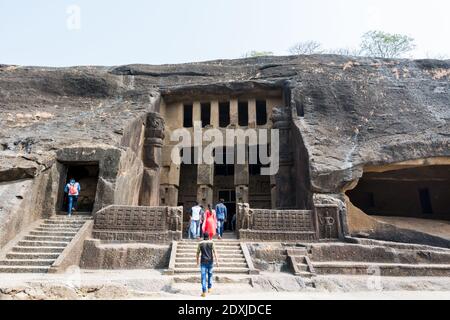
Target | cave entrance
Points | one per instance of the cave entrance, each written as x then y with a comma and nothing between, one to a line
187,193
421,192
86,174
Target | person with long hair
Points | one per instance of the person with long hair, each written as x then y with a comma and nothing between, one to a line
210,222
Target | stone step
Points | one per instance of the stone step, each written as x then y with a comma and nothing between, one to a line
38,249
35,255
189,259
216,243
216,270
302,267
193,265
221,256
383,269
304,274
53,233
27,262
194,247
53,228
61,222
48,238
32,243
218,278
22,269
219,251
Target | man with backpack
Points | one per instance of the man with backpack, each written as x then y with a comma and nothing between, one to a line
73,191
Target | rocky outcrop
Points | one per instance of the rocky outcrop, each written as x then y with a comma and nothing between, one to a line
347,112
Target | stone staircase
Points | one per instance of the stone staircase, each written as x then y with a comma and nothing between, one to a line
383,259
234,258
300,263
40,248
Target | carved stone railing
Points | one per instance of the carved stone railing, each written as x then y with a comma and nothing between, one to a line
275,225
138,224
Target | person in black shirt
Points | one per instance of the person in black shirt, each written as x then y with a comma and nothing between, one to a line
206,254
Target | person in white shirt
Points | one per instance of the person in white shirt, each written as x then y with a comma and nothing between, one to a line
194,230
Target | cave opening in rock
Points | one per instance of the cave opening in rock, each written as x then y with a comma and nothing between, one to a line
86,174
420,192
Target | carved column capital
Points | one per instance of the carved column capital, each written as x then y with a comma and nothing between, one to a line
281,118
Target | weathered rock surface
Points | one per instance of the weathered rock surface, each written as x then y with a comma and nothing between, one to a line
356,111
348,113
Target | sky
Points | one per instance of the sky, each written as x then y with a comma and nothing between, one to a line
114,32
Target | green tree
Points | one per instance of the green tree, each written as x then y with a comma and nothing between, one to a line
386,45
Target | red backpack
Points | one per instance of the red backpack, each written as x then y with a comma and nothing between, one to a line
73,189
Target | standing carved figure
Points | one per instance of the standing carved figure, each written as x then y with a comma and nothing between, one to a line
245,213
175,219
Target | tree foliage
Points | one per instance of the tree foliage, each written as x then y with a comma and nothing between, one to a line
386,45
306,47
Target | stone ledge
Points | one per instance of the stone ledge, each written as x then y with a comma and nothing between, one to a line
125,236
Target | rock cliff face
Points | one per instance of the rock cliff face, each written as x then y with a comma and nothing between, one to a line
347,112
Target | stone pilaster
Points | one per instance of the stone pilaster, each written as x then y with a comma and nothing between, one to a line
205,182
154,136
168,195
241,182
284,180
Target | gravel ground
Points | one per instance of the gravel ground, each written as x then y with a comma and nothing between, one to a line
144,284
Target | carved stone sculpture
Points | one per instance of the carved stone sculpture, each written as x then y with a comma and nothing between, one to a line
245,213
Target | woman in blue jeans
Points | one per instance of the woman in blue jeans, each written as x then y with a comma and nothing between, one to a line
206,254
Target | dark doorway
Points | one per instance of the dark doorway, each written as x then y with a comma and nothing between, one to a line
230,202
87,176
187,192
425,201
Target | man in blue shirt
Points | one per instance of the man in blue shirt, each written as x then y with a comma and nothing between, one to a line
221,214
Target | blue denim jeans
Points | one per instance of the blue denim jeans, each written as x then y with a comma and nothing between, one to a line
194,230
220,227
72,203
207,271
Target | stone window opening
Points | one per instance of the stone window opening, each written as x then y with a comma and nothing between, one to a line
224,114
255,168
206,114
86,174
222,167
243,113
188,110
261,112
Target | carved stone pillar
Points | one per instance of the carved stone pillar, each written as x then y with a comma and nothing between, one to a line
168,195
242,194
241,182
205,181
154,136
284,180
